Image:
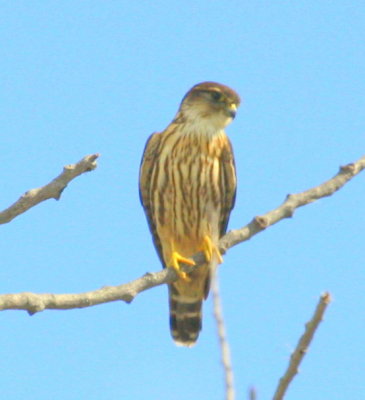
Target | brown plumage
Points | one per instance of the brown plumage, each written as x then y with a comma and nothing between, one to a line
187,189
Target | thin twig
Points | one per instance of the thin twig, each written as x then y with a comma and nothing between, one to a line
224,346
53,189
302,347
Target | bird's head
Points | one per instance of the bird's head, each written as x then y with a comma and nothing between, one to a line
211,104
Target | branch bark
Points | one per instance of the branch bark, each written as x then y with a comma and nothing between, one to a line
302,347
33,303
53,189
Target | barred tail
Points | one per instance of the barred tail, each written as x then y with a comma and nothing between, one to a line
185,317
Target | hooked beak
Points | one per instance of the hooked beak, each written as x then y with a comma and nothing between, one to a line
232,110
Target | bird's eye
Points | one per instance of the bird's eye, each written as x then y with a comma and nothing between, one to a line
216,96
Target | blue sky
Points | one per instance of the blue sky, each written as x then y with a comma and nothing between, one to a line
100,76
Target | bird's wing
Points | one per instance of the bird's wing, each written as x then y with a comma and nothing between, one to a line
228,183
148,164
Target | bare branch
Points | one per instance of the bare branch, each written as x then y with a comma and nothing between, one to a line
292,202
126,292
53,189
34,303
225,350
302,347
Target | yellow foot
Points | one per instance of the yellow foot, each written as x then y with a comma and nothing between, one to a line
209,249
175,260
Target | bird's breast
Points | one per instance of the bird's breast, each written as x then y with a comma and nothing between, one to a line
187,198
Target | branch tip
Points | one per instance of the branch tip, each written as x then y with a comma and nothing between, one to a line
326,297
302,347
94,156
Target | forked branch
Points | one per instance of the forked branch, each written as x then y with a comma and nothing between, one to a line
53,189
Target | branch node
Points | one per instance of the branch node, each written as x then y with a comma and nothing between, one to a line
349,168
303,351
28,194
34,303
128,298
262,222
90,168
57,196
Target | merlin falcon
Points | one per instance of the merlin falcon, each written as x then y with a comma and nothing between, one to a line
187,188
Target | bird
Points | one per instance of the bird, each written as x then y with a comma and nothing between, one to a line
187,187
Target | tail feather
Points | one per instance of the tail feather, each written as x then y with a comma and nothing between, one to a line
185,300
185,318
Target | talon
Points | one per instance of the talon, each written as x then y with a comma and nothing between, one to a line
175,260
209,249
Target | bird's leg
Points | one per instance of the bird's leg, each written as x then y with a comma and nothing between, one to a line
209,248
176,259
